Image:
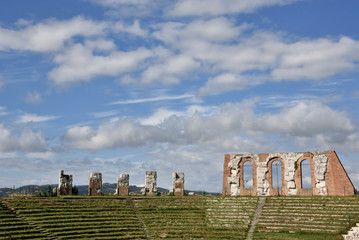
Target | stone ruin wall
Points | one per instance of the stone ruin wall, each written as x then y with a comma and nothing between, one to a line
95,184
123,185
178,184
328,176
150,183
65,184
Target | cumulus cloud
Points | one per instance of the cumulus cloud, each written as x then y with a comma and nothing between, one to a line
26,140
169,70
161,115
50,35
234,124
224,83
306,119
256,57
110,135
213,30
316,59
79,64
220,7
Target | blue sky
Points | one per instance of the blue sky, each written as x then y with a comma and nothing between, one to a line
125,86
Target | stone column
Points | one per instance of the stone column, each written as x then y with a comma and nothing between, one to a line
65,184
150,183
123,185
95,184
178,183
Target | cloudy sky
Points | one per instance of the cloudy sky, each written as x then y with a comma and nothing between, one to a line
125,86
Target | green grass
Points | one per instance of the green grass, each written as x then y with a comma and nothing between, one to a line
198,217
296,236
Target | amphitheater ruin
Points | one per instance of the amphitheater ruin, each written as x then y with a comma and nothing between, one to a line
270,174
327,174
123,184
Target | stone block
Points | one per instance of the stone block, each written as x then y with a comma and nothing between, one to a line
178,183
95,184
123,185
65,184
150,183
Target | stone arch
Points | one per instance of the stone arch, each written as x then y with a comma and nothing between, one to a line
299,177
248,191
274,191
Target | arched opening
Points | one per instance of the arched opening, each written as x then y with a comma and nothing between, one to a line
276,175
248,175
306,174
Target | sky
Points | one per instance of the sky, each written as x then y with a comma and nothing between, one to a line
126,86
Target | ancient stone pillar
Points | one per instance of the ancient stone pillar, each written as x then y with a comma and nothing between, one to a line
150,183
65,184
123,185
95,184
178,183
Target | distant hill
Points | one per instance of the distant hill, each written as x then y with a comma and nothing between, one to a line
107,188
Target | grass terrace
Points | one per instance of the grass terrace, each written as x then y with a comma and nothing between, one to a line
74,218
197,217
307,217
192,217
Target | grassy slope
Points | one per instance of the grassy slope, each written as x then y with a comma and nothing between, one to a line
200,217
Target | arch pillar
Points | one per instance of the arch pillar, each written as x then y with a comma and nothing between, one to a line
247,191
274,191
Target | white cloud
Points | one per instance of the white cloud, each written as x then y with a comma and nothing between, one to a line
214,30
233,126
50,35
220,7
316,59
224,83
154,99
27,118
33,98
159,117
169,70
162,114
27,140
79,64
258,57
111,134
307,119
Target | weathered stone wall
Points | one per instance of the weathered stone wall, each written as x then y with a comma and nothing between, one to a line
328,176
178,183
150,183
95,184
123,185
65,184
